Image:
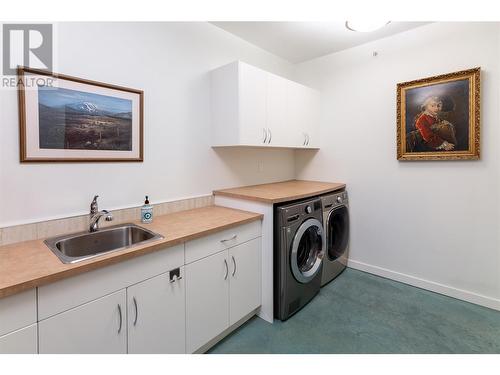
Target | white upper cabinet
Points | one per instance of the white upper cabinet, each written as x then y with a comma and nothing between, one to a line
278,124
251,107
303,114
252,104
312,115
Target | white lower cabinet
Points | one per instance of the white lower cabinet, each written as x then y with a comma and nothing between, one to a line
221,289
245,279
156,315
22,341
148,316
151,304
99,326
17,311
18,329
207,299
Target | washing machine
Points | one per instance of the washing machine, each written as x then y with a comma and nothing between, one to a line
336,223
298,255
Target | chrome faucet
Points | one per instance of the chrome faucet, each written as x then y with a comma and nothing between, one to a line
95,215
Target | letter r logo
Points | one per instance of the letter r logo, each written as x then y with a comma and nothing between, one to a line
27,45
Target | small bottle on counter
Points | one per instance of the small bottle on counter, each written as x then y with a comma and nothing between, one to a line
147,212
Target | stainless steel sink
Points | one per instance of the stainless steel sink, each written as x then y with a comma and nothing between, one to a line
81,246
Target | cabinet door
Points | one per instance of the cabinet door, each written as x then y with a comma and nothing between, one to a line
245,279
22,341
311,116
17,311
207,299
99,326
156,315
252,105
277,111
296,114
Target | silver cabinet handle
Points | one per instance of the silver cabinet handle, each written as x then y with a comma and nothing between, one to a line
233,237
305,139
175,278
234,262
227,270
265,135
174,275
307,144
121,319
136,311
270,135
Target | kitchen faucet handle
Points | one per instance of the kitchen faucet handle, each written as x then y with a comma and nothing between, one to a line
93,205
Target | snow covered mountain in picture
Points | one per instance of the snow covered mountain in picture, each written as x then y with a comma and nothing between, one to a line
89,108
86,107
71,119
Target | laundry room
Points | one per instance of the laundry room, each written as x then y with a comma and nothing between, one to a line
228,185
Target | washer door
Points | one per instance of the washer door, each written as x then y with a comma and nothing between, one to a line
337,228
307,252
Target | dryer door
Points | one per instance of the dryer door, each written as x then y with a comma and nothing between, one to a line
307,250
337,227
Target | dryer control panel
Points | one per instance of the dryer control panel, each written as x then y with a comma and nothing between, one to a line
334,200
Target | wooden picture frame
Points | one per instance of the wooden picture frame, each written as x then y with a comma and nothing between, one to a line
70,119
438,118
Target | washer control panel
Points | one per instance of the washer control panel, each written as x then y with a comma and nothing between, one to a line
299,211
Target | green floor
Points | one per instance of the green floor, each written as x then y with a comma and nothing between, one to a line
362,313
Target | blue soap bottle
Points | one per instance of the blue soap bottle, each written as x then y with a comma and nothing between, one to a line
147,212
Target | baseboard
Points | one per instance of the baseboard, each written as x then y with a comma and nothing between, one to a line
461,294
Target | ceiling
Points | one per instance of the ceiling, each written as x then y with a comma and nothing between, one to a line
301,41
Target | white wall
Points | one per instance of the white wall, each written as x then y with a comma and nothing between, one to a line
171,63
431,224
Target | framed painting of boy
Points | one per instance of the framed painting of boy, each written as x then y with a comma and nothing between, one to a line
438,117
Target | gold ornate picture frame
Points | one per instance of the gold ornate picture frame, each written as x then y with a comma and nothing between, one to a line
438,118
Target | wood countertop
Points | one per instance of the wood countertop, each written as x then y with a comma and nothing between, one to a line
281,191
29,264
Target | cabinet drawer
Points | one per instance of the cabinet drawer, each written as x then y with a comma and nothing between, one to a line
74,291
203,247
23,341
17,311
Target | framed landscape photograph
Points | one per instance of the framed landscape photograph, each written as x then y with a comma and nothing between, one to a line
438,117
70,119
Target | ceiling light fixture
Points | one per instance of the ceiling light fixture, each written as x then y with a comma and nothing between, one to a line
365,26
